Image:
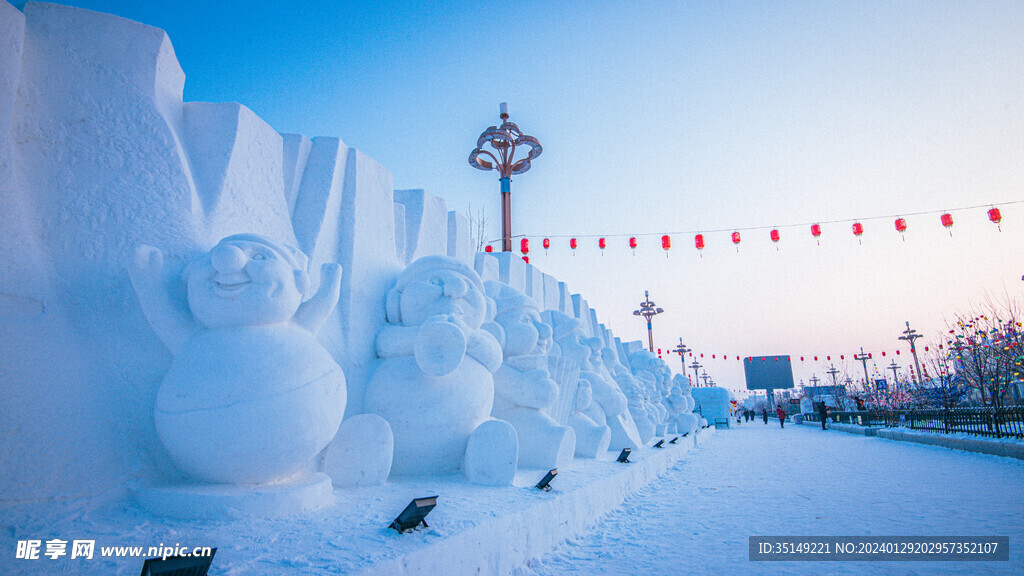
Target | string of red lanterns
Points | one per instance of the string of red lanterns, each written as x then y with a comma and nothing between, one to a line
857,227
804,358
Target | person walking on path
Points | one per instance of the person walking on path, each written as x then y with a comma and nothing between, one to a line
782,416
764,415
823,414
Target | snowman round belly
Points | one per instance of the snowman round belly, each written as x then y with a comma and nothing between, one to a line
432,417
249,404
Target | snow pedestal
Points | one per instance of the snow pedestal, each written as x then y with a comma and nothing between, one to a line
226,501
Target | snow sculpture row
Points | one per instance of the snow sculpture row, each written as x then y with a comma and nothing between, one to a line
463,381
234,369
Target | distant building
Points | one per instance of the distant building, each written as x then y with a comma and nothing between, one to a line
826,394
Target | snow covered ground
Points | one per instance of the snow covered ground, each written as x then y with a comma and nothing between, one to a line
758,480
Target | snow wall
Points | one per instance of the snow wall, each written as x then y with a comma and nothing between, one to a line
99,154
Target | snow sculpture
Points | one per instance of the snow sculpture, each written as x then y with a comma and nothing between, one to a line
523,389
612,401
251,396
361,453
592,437
713,402
682,405
637,403
651,372
434,384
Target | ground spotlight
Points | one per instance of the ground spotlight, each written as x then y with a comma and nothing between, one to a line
660,444
545,482
624,456
178,565
414,514
674,440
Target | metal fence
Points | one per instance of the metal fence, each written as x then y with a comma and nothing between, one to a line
1005,422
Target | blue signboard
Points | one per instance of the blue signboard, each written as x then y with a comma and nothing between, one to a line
881,384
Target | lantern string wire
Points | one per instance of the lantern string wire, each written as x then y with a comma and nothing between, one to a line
778,227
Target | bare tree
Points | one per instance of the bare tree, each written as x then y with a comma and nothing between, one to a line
477,228
986,346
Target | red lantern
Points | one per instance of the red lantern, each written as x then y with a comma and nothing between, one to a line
897,352
666,243
775,237
602,245
883,352
947,221
815,358
901,227
547,244
524,246
632,245
526,259
842,357
816,232
801,358
698,241
572,244
488,248
736,240
858,229
996,217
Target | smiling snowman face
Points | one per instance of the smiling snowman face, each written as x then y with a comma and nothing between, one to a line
443,293
244,281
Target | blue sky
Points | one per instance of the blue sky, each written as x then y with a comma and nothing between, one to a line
679,117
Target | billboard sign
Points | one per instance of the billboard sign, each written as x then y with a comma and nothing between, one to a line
768,372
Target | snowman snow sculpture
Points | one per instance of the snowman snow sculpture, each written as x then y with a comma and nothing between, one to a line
650,370
688,422
434,384
592,437
523,390
637,402
251,396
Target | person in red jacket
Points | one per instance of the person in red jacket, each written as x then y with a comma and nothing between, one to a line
782,416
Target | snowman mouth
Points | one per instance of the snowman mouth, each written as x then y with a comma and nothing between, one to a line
232,286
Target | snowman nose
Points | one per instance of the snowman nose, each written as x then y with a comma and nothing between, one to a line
544,330
227,258
455,287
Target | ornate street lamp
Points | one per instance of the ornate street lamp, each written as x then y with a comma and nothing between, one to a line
910,335
504,140
682,350
894,367
863,358
648,310
696,366
833,371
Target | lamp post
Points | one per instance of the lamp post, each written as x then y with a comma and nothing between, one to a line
894,367
864,361
833,371
648,311
682,350
696,366
910,335
704,376
504,140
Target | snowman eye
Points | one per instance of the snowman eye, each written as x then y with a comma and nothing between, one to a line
436,282
259,256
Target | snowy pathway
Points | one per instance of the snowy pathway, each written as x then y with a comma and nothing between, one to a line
800,481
